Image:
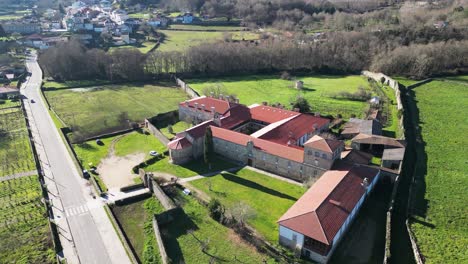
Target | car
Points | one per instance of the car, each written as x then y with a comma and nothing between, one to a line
32,101
154,153
85,173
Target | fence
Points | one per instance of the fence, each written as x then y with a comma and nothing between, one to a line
155,131
186,88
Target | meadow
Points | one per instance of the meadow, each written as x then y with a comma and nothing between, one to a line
135,219
182,40
100,109
318,90
15,150
269,198
24,230
205,27
194,237
440,195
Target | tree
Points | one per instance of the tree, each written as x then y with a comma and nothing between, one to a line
61,9
208,149
302,104
241,213
170,129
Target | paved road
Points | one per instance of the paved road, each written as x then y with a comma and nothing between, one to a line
85,230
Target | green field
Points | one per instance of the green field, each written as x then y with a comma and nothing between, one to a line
441,224
176,128
268,197
96,110
202,27
182,40
8,104
318,90
135,219
73,84
15,150
193,227
144,47
24,230
405,81
189,169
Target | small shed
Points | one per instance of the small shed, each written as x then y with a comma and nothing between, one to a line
391,158
299,85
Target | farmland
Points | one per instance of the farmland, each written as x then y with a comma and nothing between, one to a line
182,40
15,149
318,90
440,192
95,110
24,230
194,237
268,197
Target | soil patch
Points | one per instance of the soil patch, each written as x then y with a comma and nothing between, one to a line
117,171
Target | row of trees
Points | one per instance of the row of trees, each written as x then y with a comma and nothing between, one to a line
347,52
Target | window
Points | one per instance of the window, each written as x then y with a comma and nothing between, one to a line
309,152
289,165
300,170
315,173
324,156
317,154
264,157
316,162
294,237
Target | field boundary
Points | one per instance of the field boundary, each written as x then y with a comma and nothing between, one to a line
122,236
186,88
159,240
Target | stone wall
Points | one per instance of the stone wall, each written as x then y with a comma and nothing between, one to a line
186,88
378,77
162,249
165,201
155,131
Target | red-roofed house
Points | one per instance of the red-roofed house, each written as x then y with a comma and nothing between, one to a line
315,224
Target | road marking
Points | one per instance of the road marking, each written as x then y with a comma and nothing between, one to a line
77,210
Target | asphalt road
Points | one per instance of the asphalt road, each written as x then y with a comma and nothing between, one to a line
92,238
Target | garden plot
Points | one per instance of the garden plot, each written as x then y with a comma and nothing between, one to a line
15,149
24,231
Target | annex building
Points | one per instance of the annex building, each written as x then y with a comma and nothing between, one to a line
272,139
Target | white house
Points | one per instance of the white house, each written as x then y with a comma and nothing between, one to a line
119,16
317,222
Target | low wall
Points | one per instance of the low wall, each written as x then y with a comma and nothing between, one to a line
186,88
118,228
165,201
162,249
155,132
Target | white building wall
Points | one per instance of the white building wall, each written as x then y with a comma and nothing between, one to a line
286,233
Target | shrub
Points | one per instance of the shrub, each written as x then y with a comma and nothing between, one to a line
2,101
285,75
216,209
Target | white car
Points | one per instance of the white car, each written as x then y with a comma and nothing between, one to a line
154,153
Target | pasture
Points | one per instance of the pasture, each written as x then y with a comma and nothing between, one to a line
24,230
269,198
182,40
15,149
107,108
440,193
319,91
205,27
194,237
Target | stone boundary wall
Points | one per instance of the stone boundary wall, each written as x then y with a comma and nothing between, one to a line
165,201
388,81
414,245
162,249
186,88
155,131
122,236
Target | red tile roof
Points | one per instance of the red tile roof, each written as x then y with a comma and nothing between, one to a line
179,143
322,210
326,145
199,130
221,106
235,116
291,153
270,114
295,128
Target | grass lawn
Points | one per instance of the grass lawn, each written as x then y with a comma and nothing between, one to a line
72,84
10,16
392,127
405,81
318,90
126,144
9,103
270,198
177,127
192,226
202,27
189,169
15,150
182,40
245,36
441,225
135,219
96,110
138,15
24,230
144,47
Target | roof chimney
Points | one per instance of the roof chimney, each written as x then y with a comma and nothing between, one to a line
211,94
317,114
315,126
196,105
264,103
237,100
187,103
203,106
228,98
221,97
213,110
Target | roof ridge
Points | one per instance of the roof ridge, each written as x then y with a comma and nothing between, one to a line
309,212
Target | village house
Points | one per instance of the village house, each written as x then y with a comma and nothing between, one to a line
356,126
269,138
186,18
8,92
20,26
316,223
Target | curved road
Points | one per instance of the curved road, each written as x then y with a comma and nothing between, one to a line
86,233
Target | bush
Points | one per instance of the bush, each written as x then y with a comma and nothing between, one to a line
2,101
286,75
216,209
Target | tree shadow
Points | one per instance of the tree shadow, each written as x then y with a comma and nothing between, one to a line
424,223
250,184
307,89
87,146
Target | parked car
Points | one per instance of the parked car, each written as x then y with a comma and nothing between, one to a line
85,174
32,101
154,153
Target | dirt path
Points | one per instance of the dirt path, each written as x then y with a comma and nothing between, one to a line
115,171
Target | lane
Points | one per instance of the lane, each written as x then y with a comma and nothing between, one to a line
88,236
